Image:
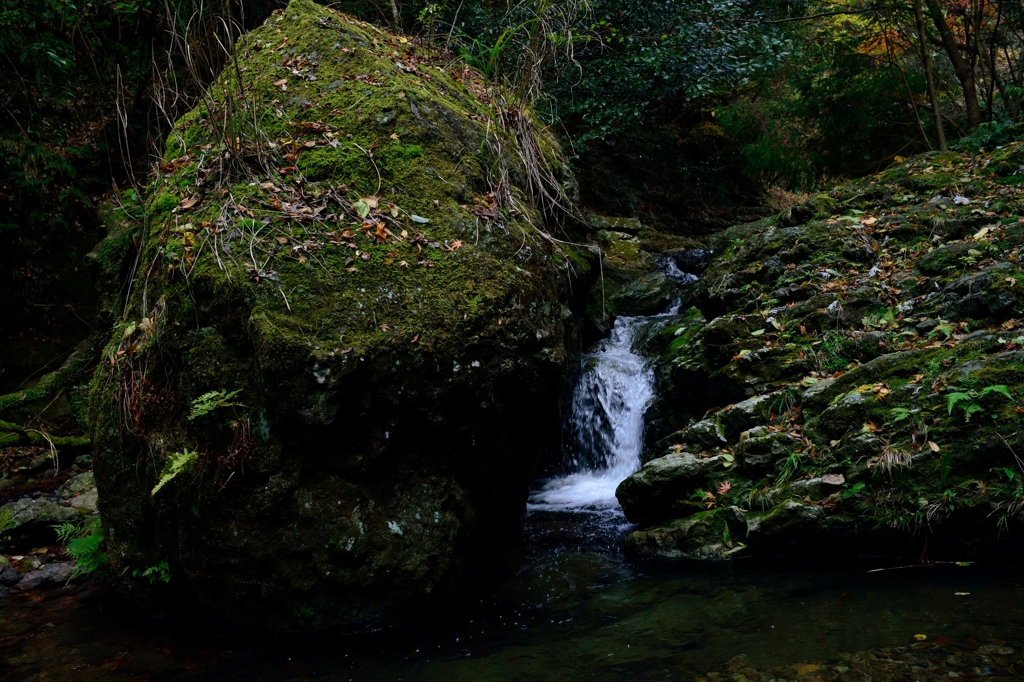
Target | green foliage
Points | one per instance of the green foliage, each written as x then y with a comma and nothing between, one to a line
991,134
790,466
84,544
897,415
830,356
6,523
5,520
852,491
210,401
969,401
175,464
161,572
638,54
761,498
486,55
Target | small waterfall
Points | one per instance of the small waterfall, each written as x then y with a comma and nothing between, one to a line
606,425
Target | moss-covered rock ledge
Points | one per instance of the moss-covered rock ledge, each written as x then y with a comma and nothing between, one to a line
850,375
343,355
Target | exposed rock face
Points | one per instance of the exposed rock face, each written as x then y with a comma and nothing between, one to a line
663,484
852,373
30,522
398,338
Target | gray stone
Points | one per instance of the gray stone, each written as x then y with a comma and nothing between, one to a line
77,485
713,534
817,393
647,295
810,488
704,435
9,575
662,487
80,493
87,503
757,455
788,523
859,446
847,414
32,521
56,574
984,294
630,226
745,415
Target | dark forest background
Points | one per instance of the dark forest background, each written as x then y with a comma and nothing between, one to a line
690,116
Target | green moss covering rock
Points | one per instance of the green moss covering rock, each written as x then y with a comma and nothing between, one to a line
345,350
859,377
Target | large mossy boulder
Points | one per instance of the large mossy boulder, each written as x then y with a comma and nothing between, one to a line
856,371
346,345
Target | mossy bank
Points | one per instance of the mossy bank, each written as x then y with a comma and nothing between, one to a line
849,376
347,340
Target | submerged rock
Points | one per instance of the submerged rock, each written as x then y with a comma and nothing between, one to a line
344,360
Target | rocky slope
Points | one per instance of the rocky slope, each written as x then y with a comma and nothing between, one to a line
347,340
850,373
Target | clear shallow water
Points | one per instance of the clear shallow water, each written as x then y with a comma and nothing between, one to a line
576,610
572,608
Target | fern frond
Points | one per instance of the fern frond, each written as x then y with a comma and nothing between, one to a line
998,388
176,463
955,398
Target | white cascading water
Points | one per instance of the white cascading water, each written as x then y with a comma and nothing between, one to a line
606,425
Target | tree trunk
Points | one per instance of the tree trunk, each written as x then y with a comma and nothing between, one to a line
396,16
962,68
926,58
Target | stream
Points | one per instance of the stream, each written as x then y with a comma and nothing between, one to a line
575,608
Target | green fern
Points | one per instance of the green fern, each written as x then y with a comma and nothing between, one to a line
898,414
998,388
175,464
208,402
83,544
968,401
945,466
